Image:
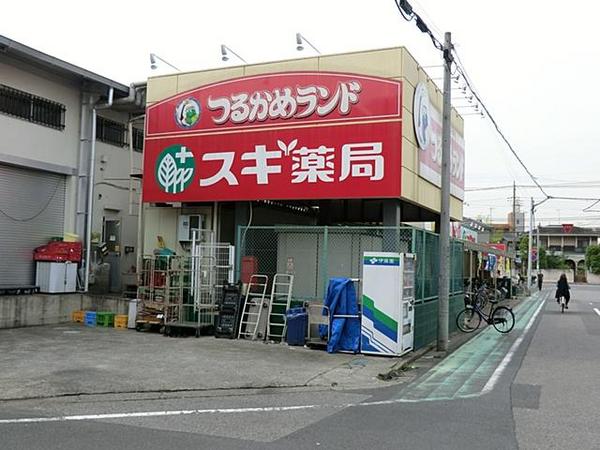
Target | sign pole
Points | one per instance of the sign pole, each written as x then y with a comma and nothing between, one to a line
444,285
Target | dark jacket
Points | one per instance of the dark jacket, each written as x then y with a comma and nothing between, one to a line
562,288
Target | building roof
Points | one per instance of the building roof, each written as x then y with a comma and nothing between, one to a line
30,56
562,230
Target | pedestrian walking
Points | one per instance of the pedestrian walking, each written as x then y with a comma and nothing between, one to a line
540,280
562,290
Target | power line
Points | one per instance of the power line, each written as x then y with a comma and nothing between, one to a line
406,10
573,185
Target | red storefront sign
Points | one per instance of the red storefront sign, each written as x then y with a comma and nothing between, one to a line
299,135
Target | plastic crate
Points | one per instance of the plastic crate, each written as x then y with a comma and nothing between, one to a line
121,321
90,318
78,316
105,319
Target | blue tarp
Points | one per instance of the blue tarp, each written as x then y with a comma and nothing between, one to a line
345,331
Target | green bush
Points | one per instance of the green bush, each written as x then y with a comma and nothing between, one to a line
592,259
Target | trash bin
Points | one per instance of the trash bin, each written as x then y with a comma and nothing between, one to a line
297,324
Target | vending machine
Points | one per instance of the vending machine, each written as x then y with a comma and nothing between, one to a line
388,298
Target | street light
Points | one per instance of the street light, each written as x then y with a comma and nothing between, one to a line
299,46
225,54
154,57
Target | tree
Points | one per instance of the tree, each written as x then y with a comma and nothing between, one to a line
592,259
547,260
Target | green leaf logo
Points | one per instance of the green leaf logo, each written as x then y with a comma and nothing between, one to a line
175,169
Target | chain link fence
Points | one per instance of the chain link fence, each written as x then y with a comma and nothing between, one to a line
316,254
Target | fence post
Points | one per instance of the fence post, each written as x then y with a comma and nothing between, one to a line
324,261
238,253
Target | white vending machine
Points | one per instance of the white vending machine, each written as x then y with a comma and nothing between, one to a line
388,298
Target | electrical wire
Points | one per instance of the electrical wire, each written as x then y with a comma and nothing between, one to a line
41,211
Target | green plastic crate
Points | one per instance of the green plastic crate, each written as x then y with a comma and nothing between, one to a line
105,319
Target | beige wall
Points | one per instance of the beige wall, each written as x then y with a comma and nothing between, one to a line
38,143
395,63
112,198
163,221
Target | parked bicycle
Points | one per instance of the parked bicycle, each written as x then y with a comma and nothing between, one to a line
500,317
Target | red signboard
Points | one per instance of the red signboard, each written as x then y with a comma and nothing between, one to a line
300,135
567,227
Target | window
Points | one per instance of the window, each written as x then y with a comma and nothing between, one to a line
138,140
110,132
32,108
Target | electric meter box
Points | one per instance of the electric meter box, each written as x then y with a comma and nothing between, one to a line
187,224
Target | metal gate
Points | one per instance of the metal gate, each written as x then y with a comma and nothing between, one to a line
32,211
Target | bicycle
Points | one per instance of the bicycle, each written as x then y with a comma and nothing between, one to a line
562,302
500,317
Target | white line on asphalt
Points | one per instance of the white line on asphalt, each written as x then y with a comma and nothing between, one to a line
597,311
185,412
504,363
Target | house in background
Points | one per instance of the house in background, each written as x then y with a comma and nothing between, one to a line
570,242
47,110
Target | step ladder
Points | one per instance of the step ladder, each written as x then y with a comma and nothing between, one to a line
254,305
281,297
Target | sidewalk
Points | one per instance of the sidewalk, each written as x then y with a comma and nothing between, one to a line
51,361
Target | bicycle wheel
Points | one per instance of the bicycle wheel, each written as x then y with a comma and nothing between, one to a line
503,319
468,320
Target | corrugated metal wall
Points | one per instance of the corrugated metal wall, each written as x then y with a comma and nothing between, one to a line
32,210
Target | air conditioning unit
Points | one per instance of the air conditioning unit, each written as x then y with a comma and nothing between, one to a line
187,224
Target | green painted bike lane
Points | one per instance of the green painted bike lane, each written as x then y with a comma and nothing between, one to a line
467,372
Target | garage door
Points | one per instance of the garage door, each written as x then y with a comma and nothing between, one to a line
32,210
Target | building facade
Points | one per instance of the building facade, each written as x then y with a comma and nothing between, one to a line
47,126
340,141
568,241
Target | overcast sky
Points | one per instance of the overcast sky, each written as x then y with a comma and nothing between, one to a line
533,62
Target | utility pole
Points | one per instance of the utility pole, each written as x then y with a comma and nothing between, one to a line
529,246
537,245
444,279
514,221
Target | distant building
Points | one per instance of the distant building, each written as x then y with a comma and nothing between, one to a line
569,241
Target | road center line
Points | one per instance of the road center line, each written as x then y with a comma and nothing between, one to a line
508,357
597,311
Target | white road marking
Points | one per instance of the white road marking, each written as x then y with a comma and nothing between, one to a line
597,311
187,412
508,357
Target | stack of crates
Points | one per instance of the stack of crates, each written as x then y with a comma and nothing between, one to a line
105,319
121,321
78,316
90,318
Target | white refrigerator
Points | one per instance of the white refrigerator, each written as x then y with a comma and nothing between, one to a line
388,297
55,277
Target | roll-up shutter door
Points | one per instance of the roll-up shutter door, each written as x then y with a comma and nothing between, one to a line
32,210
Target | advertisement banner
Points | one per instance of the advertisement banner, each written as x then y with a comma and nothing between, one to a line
427,121
458,231
293,135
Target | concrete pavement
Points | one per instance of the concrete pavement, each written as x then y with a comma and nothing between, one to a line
52,361
319,417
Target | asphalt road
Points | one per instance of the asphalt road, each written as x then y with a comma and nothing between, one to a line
535,388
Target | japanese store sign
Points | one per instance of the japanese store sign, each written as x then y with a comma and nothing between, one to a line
428,130
299,135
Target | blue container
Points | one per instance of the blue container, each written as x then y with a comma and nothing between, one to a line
297,324
90,318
